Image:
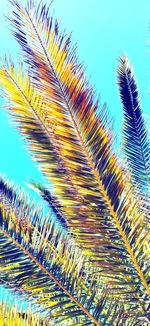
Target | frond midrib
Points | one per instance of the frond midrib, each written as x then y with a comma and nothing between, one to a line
50,275
37,116
49,133
77,195
100,183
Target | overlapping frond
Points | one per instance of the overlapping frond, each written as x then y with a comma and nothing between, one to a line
92,237
136,144
51,200
107,223
29,108
23,230
58,240
39,260
58,115
46,195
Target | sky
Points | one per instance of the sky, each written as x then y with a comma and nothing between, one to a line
103,30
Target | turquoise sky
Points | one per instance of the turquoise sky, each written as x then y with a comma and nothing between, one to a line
103,30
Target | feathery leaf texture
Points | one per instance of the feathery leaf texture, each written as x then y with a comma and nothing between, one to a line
16,229
12,315
43,267
105,225
52,201
93,199
136,144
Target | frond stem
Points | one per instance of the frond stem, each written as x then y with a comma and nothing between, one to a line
51,276
96,174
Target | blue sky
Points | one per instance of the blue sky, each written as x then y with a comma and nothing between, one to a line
103,30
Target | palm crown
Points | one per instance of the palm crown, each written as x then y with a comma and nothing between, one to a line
86,262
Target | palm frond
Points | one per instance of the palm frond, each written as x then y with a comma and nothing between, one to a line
58,240
51,200
37,259
45,251
107,224
29,107
89,236
12,315
136,144
81,102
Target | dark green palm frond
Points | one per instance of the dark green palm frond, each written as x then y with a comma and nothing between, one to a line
109,230
136,144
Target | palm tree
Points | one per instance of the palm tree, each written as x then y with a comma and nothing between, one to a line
86,262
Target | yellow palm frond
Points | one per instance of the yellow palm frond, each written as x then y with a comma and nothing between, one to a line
12,315
70,138
85,147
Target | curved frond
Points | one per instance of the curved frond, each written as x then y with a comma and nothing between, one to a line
107,223
91,237
136,144
102,211
29,108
